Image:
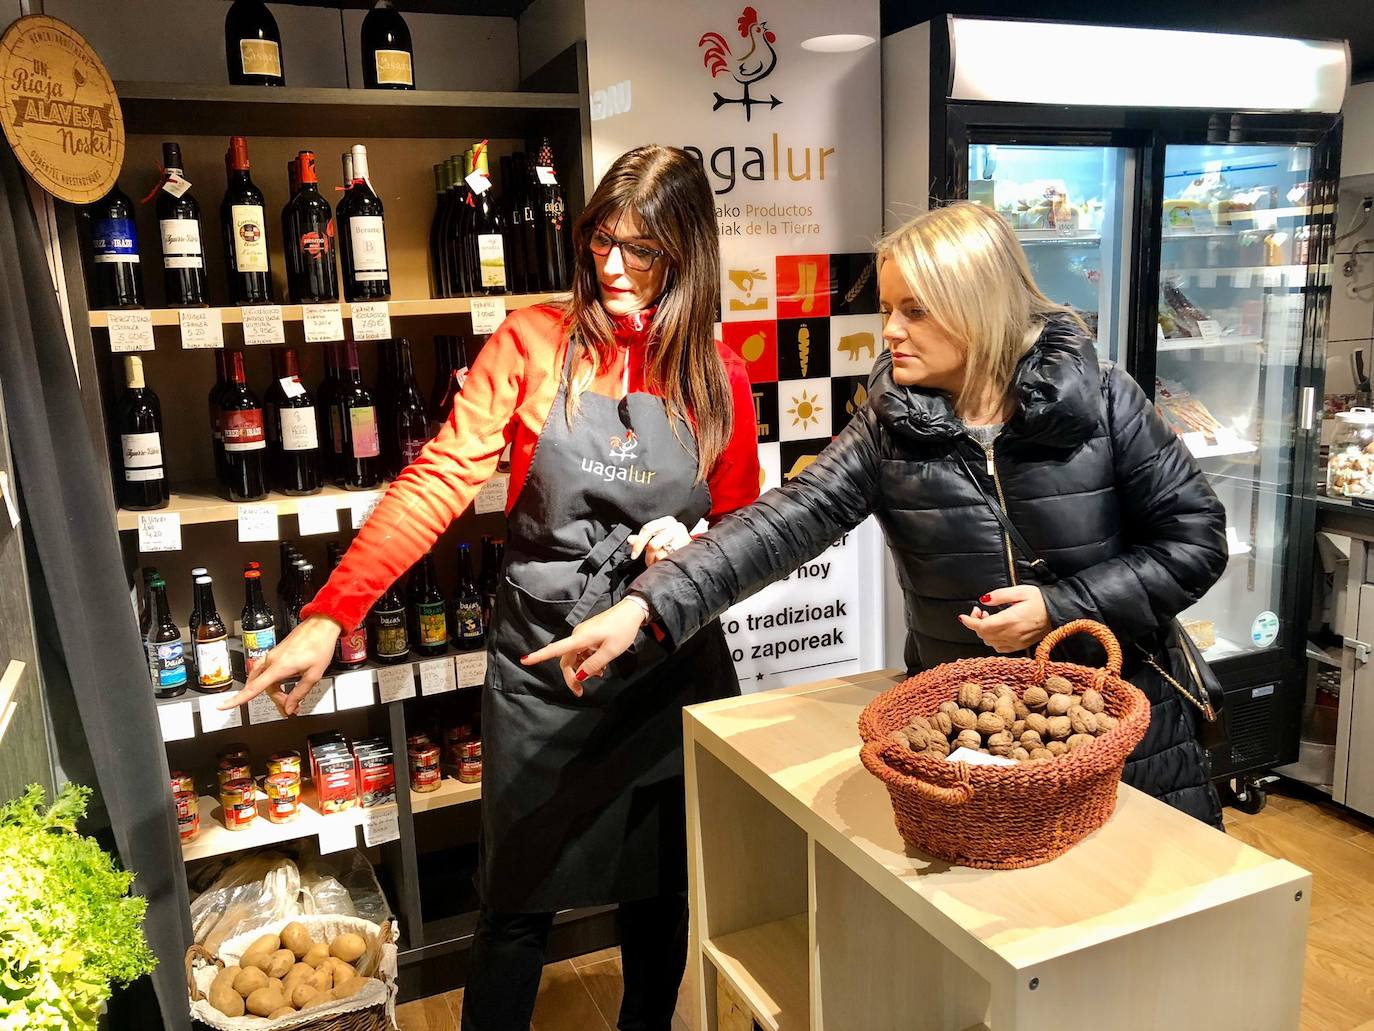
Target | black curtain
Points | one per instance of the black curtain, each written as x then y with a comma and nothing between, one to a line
91,641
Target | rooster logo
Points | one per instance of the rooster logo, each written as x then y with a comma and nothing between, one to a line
622,449
753,65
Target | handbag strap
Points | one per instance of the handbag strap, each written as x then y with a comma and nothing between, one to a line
1038,564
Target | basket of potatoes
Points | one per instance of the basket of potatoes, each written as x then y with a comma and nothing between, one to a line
1055,736
321,973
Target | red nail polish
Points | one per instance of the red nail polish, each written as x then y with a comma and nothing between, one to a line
581,675
986,599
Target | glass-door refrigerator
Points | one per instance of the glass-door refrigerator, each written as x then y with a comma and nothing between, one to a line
1177,189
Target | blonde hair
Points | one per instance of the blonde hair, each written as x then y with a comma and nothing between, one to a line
966,270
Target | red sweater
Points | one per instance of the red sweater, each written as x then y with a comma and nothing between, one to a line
507,398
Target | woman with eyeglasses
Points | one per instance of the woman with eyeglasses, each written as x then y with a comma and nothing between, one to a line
629,424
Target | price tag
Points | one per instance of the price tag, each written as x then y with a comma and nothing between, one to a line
211,719
472,668
546,176
353,690
262,324
291,386
1210,329
1273,277
320,699
478,182
317,515
371,320
257,523
177,721
363,506
130,330
1197,444
380,825
176,185
159,531
338,832
395,683
436,676
1242,279
201,327
492,496
323,323
487,314
263,710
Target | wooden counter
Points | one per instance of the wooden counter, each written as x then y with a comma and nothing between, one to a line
809,911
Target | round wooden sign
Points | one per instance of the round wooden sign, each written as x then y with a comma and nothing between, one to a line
59,109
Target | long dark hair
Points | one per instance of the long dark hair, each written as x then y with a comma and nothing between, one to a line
667,190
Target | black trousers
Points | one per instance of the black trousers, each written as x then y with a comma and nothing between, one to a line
508,959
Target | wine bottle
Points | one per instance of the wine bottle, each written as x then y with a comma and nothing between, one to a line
529,245
489,228
438,263
166,653
252,45
384,393
410,416
211,641
361,228
331,440
428,625
145,602
462,247
216,415
388,636
305,590
489,581
285,555
259,625
115,275
311,271
356,414
350,648
388,58
550,209
143,484
244,224
514,210
178,219
245,437
450,372
466,629
293,441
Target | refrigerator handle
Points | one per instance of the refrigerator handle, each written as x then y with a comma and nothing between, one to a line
1309,403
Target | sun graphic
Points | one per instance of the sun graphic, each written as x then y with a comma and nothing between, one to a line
805,410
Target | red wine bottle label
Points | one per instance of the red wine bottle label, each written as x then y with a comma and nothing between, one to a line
353,645
298,429
410,450
491,253
433,625
363,421
113,240
260,57
243,430
315,244
250,237
368,237
181,243
394,68
142,456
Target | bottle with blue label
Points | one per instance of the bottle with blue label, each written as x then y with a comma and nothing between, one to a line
259,625
114,273
166,653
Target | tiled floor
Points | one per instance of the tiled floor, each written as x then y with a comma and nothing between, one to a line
1338,995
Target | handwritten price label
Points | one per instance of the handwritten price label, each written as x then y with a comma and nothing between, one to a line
371,320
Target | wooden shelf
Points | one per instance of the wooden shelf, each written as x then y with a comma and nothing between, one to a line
217,110
215,839
767,967
450,792
399,309
206,505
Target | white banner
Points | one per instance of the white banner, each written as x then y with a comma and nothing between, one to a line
791,142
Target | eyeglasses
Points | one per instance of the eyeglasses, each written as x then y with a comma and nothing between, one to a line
636,257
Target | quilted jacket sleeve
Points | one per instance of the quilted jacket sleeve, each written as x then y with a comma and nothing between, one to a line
762,543
1174,525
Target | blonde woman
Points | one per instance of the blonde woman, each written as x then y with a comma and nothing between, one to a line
988,393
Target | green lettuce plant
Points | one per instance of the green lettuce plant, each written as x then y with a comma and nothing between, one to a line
69,930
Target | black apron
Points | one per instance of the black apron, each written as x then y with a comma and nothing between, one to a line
583,798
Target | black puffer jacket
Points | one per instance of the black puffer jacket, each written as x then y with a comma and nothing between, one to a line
1107,495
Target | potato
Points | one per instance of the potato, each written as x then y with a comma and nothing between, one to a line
267,943
322,980
296,937
226,1000
342,971
226,977
298,974
348,947
348,988
316,955
280,962
285,1011
259,958
265,1001
303,995
276,983
249,980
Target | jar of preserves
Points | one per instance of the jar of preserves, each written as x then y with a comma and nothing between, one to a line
470,762
182,782
233,769
238,751
424,767
283,792
284,762
188,814
1350,469
418,738
238,799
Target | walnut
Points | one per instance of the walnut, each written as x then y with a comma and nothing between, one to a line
1038,723
968,739
920,722
1058,685
970,695
934,753
938,746
1057,748
1035,698
942,724
948,707
1106,722
1060,727
920,739
1082,721
990,723
1004,691
1092,701
1001,743
1006,712
1059,705
1019,707
900,738
1041,753
1030,739
988,702
1018,727
1079,740
964,719
1020,754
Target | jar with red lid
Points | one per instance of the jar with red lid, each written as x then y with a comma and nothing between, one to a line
288,761
236,751
424,767
182,782
188,814
233,769
239,800
470,762
283,792
417,739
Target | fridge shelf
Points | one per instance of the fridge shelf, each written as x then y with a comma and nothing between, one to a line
1205,343
1223,448
1043,236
